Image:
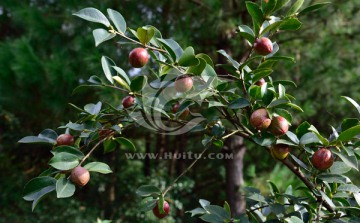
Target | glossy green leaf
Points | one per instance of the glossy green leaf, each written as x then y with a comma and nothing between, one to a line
188,58
218,211
68,149
290,24
349,123
309,138
64,161
334,178
198,69
38,187
64,188
126,143
247,33
122,74
313,8
98,167
256,14
350,161
268,6
93,109
302,129
261,73
353,102
147,204
280,4
118,20
172,47
148,190
339,167
35,140
102,35
232,61
138,83
93,15
349,134
145,34
295,7
239,103
107,66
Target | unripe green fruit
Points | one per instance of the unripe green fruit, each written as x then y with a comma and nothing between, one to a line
322,159
279,126
128,101
184,114
65,140
260,119
80,176
263,46
138,57
183,83
280,151
156,210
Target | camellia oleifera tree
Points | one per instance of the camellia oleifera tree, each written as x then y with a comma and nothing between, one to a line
179,88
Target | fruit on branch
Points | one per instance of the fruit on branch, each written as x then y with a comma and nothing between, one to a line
156,210
138,57
263,46
260,82
80,176
279,126
260,119
280,151
184,114
322,159
128,101
65,140
183,83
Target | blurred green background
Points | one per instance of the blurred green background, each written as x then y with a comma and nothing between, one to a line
45,52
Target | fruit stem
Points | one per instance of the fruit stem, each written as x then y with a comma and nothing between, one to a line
187,169
137,42
92,150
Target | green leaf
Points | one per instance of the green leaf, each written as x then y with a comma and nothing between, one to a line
320,137
227,208
93,109
313,8
350,161
294,219
218,211
188,58
138,83
232,61
267,7
349,188
294,106
256,14
35,140
196,211
107,66
64,161
212,218
122,74
257,197
148,190
38,187
334,178
277,102
102,35
98,167
264,140
295,7
198,69
302,129
284,113
280,4
126,143
247,33
349,134
354,103
109,145
172,47
64,188
68,149
205,57
145,34
204,203
309,138
239,103
261,73
93,15
147,204
290,24
118,20
339,167
49,135
349,123
121,82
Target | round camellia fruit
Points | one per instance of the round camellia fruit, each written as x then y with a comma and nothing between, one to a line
65,140
279,126
138,57
263,46
156,210
80,176
280,151
260,82
184,114
128,101
260,119
183,83
322,159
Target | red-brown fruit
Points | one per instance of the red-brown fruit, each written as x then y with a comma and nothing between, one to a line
138,57
65,140
105,132
260,82
263,46
183,83
322,159
279,126
184,114
280,151
80,176
260,119
128,101
157,212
